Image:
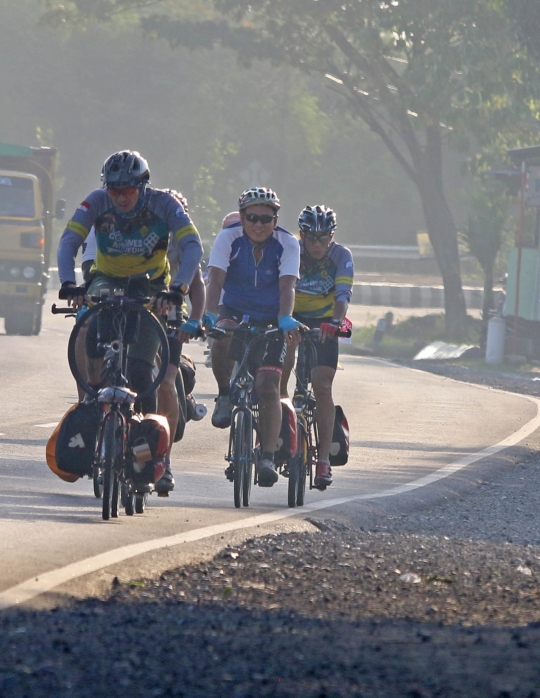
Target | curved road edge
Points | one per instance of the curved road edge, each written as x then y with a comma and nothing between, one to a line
36,586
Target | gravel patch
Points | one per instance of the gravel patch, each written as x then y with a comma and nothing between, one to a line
440,602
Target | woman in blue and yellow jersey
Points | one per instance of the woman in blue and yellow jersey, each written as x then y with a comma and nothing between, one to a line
323,293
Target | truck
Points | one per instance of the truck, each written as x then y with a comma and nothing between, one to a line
27,210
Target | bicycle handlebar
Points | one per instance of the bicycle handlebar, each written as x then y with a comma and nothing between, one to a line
314,333
55,310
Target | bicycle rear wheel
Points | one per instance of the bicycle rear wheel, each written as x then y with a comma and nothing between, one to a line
297,467
109,454
250,459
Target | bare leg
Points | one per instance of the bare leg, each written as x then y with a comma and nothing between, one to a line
267,386
323,377
287,370
168,402
222,366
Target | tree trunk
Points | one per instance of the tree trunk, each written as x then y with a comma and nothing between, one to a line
442,232
443,236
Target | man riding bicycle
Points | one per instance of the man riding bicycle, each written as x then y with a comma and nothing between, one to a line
252,270
133,223
323,293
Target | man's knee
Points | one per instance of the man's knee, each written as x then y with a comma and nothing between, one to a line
268,382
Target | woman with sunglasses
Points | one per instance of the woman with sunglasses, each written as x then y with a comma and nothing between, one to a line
323,293
252,270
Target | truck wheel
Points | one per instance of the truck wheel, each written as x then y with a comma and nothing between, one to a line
38,320
20,323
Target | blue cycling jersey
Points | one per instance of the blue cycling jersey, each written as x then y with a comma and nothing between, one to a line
251,286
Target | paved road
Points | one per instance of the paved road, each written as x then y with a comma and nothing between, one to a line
405,424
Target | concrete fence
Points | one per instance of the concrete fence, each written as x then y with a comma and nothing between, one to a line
391,295
403,296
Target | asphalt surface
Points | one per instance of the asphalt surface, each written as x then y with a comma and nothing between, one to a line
433,594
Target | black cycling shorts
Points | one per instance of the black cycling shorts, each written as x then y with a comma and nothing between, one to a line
269,354
327,352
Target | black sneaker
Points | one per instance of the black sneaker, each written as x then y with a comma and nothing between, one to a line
221,418
166,483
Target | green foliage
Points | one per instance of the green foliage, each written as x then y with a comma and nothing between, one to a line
487,220
103,86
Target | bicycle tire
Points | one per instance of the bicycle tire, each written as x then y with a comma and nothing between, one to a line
240,455
109,451
115,495
140,502
129,501
248,474
93,390
304,460
97,479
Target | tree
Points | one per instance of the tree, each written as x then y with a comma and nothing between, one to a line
484,234
419,73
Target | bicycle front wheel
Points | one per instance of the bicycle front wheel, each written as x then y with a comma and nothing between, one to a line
110,446
242,459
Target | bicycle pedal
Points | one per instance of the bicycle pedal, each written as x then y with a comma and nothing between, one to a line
162,494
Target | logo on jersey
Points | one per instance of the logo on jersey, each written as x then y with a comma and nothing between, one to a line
180,213
84,207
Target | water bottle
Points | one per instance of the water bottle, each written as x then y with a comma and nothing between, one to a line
200,412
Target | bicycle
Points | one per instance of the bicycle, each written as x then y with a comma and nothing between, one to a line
305,405
118,464
244,433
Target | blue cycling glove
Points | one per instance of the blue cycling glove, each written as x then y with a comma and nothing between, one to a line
209,320
191,327
287,323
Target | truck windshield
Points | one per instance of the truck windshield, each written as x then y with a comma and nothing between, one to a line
17,197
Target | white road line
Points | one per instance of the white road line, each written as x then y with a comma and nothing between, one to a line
49,580
47,426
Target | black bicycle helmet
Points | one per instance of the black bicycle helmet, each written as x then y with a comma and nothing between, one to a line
125,169
317,220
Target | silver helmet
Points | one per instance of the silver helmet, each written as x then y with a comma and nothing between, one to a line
258,195
317,220
125,169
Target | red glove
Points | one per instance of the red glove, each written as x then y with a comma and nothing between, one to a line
330,328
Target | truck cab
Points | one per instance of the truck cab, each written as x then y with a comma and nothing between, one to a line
26,200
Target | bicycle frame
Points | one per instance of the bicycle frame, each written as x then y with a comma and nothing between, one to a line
241,454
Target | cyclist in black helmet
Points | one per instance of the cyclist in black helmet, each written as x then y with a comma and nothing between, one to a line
133,224
323,293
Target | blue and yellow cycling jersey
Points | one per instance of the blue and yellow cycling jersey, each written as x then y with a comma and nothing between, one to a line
128,246
323,281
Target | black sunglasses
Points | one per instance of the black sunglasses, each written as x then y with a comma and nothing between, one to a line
318,238
254,218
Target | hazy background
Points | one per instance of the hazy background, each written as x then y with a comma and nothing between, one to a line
207,126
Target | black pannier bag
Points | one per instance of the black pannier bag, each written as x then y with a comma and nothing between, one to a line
339,449
187,368
76,442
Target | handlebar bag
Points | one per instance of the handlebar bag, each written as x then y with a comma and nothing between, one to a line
339,448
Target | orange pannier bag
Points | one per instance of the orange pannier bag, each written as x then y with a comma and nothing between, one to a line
50,452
